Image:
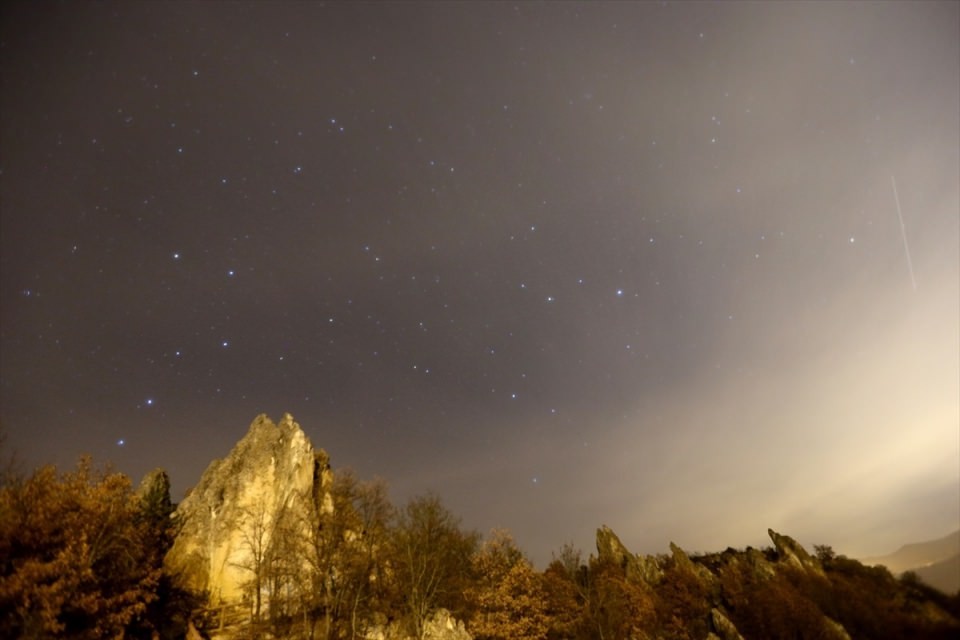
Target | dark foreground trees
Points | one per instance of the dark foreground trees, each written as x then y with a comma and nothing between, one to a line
80,554
431,560
341,552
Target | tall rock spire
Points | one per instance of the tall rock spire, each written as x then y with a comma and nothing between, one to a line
228,519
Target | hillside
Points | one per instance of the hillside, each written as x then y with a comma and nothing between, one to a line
936,562
920,554
944,575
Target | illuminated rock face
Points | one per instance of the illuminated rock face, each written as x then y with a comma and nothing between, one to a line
227,519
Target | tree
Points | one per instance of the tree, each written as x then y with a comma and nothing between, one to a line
169,614
562,582
363,568
73,559
283,570
683,604
825,553
256,525
509,596
614,606
329,529
572,596
430,559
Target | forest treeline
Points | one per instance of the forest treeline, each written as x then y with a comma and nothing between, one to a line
81,556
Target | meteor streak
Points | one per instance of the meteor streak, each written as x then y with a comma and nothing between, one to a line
903,233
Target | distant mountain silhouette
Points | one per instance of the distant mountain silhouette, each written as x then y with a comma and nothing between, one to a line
936,562
944,575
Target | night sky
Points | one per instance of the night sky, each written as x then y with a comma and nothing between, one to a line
564,264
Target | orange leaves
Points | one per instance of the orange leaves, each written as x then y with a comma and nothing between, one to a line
510,599
72,557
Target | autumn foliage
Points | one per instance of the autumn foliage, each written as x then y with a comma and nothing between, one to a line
81,556
509,595
73,555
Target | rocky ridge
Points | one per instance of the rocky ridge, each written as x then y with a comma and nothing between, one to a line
648,571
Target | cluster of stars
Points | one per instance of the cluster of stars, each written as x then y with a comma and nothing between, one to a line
504,243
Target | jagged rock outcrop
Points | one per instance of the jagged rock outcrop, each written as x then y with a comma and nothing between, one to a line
639,569
723,628
227,519
649,571
155,483
791,552
683,561
443,626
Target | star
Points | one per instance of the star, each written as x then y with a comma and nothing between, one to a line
444,230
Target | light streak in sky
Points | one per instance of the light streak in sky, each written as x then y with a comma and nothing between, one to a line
903,233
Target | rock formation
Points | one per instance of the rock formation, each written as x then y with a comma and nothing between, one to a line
639,569
227,519
723,628
443,626
155,486
791,552
648,572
